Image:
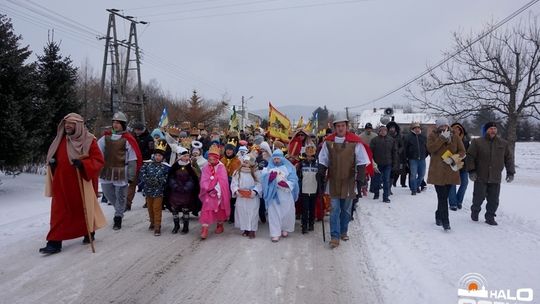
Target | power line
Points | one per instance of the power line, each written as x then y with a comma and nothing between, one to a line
323,4
169,5
212,8
80,34
444,60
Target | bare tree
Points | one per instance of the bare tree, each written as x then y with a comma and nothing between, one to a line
500,73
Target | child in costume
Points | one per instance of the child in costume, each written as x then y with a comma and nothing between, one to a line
154,174
307,174
280,191
214,194
246,187
183,187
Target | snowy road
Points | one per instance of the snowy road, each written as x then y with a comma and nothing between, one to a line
133,266
396,254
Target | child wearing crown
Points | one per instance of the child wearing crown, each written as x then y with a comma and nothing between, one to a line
246,187
154,175
214,194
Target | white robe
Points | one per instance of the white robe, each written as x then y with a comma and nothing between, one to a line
281,216
246,213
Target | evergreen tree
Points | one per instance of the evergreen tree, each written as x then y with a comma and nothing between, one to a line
57,97
16,87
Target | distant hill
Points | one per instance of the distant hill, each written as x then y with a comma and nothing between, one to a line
293,112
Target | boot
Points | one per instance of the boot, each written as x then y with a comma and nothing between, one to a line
491,221
446,226
86,240
376,196
157,231
204,232
438,222
117,223
311,226
245,233
474,216
185,227
219,228
304,229
252,234
334,243
176,225
151,227
52,247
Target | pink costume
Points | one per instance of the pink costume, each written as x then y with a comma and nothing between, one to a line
214,194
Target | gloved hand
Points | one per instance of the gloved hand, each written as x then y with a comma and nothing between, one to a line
77,163
472,176
52,164
376,168
212,192
446,134
283,184
509,178
272,176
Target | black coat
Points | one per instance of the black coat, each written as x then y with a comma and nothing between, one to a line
384,151
415,146
146,144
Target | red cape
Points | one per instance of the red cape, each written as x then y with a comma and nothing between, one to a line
353,138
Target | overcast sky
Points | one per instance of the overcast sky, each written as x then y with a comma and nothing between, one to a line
343,54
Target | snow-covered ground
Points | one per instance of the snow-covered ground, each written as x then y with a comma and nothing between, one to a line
396,254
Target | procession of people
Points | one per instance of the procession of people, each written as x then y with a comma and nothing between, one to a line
250,178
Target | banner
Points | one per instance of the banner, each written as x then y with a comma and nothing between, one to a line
278,125
164,120
233,123
300,123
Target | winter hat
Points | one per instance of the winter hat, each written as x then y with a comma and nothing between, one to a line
138,126
368,126
266,147
229,147
243,149
415,125
183,134
489,125
158,133
441,121
457,124
258,140
181,151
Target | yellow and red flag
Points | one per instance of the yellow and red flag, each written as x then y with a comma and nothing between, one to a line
278,125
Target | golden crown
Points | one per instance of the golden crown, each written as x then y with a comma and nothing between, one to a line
214,149
161,144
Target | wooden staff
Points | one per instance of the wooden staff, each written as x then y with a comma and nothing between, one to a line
81,189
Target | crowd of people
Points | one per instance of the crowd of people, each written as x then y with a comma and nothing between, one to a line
249,178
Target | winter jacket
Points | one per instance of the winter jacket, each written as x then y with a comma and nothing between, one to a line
307,176
366,138
488,157
415,146
384,151
146,144
154,176
440,173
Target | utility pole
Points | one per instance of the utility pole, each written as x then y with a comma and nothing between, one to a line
347,112
243,113
118,98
